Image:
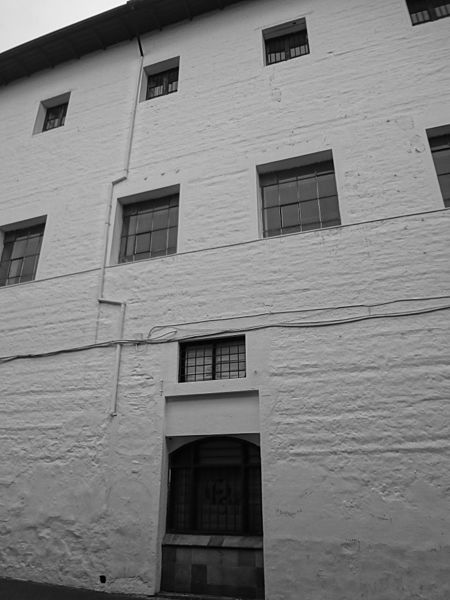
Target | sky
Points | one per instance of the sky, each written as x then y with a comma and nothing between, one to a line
24,20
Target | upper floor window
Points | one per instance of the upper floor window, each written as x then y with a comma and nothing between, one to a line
299,198
55,116
440,149
52,113
162,83
149,229
213,359
422,11
287,41
161,79
20,255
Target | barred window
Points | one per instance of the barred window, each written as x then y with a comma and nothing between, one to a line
440,149
161,84
149,229
422,11
299,199
217,359
215,488
285,42
55,116
21,249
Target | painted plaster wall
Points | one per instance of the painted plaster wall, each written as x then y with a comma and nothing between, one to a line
353,418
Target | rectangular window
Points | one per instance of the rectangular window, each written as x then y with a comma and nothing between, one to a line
55,116
299,199
217,359
422,11
21,248
440,149
161,84
149,229
285,42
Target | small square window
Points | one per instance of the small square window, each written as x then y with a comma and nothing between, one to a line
161,79
285,42
213,359
440,149
52,113
299,198
20,255
422,11
55,116
149,229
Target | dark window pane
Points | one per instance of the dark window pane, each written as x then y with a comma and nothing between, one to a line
329,209
310,215
307,188
159,242
327,185
272,219
142,243
161,219
289,215
288,192
442,161
143,222
444,182
19,248
270,196
151,220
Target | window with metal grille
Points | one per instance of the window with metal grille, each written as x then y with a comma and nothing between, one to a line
422,11
161,84
149,229
215,488
440,149
287,41
299,199
21,249
55,116
216,359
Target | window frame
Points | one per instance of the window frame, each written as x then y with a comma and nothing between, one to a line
195,474
285,33
439,141
214,344
33,229
163,68
60,119
42,117
430,7
142,202
312,164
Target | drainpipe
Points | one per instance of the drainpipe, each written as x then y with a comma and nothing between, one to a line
106,230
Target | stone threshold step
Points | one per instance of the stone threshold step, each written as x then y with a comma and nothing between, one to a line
170,596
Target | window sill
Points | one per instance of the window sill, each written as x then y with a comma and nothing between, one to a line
204,388
213,541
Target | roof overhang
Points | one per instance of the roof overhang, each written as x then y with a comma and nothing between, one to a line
119,24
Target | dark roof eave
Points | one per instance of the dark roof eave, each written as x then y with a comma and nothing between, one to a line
98,33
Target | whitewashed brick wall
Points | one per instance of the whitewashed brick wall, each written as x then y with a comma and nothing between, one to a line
353,418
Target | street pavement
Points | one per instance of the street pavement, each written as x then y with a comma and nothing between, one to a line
24,590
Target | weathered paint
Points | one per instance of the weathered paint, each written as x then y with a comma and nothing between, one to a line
353,418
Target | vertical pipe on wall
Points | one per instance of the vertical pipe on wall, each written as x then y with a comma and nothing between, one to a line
106,236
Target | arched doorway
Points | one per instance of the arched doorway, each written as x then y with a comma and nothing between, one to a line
213,543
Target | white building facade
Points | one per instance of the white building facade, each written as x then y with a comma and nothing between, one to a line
225,294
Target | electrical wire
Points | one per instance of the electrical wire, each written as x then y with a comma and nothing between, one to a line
288,325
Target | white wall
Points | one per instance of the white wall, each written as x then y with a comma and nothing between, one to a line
353,418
